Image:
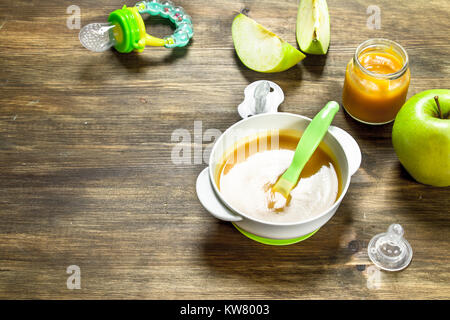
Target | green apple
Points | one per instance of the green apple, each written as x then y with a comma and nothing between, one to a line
421,137
313,26
261,50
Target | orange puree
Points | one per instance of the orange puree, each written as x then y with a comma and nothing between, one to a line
374,89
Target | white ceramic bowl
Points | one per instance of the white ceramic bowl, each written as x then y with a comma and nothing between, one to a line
342,145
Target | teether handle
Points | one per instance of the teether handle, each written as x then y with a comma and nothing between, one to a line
153,41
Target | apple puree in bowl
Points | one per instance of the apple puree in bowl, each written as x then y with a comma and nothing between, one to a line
246,184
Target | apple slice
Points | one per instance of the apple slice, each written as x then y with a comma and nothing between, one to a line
313,26
261,50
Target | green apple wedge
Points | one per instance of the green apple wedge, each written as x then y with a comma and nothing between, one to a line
421,137
262,50
313,26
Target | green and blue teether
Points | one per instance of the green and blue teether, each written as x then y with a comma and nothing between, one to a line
125,29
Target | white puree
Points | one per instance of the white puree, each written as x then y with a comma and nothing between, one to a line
244,187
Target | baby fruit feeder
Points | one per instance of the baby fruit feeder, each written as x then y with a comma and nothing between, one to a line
125,29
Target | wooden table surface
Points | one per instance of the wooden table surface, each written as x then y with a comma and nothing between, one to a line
87,178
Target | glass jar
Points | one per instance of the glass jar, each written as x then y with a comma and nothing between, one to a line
376,81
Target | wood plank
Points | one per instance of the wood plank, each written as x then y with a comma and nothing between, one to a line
86,175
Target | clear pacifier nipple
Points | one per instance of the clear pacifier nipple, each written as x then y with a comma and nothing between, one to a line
390,251
97,37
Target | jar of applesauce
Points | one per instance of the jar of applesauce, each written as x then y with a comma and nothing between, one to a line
376,81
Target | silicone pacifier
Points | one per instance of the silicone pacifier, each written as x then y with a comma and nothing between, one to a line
261,97
125,29
390,251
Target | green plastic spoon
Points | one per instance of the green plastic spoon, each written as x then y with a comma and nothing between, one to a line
308,143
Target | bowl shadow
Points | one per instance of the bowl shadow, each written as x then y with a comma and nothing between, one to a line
229,252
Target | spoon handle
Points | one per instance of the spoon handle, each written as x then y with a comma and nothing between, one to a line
308,143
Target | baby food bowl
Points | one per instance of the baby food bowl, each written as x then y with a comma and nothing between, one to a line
343,147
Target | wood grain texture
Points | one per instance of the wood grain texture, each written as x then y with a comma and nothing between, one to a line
86,176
